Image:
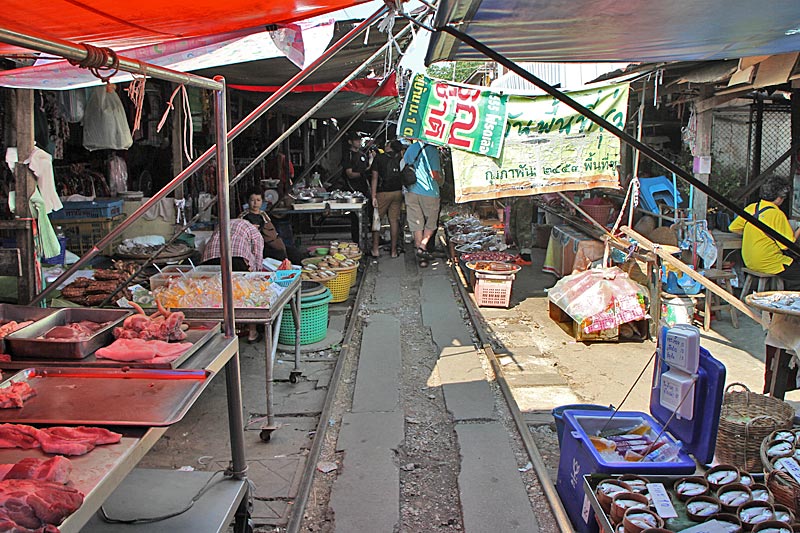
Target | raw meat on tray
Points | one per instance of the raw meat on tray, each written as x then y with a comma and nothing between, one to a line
58,440
162,325
76,331
11,326
15,395
56,469
32,506
151,351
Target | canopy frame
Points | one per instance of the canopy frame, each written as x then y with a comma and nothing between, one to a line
622,135
238,468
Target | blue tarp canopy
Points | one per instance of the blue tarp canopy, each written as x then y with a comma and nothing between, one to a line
613,30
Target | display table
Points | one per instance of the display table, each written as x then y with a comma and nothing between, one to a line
569,250
779,376
270,318
98,473
325,208
725,241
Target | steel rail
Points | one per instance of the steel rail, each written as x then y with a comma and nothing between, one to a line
539,467
627,138
74,52
307,479
198,163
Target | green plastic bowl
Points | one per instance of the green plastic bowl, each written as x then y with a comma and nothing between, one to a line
322,251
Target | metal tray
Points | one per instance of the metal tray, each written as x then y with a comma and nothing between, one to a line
21,313
106,396
26,342
591,481
199,333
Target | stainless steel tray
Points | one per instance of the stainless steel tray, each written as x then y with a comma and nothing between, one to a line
21,313
199,333
26,342
106,396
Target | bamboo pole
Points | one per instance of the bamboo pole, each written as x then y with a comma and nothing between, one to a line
680,265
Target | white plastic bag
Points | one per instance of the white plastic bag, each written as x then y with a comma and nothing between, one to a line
376,220
105,125
117,175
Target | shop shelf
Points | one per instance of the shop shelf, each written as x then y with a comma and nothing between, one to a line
83,234
99,208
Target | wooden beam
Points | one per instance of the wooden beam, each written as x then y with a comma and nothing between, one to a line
25,185
705,121
680,265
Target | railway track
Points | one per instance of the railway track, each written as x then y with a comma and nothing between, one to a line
308,511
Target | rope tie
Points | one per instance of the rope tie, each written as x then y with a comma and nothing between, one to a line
136,92
188,134
96,61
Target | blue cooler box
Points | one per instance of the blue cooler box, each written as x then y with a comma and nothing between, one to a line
698,436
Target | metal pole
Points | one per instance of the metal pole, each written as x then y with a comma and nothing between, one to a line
645,149
74,52
198,163
223,209
322,102
232,370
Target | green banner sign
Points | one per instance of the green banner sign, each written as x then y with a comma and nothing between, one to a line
548,147
464,117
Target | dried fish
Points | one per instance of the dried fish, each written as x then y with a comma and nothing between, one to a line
690,488
734,498
721,477
779,449
702,508
761,495
756,514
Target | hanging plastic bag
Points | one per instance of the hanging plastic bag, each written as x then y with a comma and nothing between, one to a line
105,125
376,220
117,175
73,104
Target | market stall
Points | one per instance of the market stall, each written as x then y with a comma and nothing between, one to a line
219,352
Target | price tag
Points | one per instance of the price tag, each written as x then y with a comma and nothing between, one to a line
792,468
712,526
661,501
587,508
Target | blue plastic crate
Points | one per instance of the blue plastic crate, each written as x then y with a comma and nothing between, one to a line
95,209
284,278
59,259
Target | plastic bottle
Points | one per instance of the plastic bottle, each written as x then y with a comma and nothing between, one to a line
666,453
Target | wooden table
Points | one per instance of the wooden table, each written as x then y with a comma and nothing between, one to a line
778,376
725,241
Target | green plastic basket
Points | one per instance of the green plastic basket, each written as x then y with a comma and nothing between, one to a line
313,320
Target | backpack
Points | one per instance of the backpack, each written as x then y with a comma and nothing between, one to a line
409,174
392,181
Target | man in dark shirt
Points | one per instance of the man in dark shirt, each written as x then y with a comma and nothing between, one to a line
355,166
355,163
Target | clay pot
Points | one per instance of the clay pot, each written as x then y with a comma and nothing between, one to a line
603,498
691,479
697,512
717,479
724,495
624,501
637,520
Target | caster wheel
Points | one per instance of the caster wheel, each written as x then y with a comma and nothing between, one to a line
294,377
265,435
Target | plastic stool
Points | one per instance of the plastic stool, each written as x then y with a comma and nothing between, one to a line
771,281
713,302
659,188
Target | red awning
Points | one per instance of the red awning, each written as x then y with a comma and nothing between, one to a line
120,25
363,86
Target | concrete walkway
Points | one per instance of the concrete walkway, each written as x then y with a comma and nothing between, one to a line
365,495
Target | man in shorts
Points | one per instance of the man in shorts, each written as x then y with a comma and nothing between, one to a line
422,198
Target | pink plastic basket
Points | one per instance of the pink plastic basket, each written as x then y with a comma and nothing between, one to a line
493,290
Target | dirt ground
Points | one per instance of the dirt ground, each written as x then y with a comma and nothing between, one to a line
429,457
